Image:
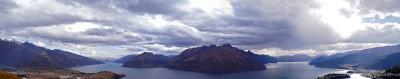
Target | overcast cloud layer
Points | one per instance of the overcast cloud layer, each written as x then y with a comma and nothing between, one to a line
113,28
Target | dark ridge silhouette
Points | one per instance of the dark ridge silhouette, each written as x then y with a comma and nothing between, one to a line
224,58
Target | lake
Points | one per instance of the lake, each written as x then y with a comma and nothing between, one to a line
280,70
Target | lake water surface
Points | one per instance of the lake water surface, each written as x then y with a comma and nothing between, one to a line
280,70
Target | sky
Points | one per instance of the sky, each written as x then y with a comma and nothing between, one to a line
114,28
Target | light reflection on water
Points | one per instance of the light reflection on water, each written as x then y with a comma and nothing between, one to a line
280,70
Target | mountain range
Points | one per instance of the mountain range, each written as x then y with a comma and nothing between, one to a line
14,54
295,58
147,60
372,58
224,58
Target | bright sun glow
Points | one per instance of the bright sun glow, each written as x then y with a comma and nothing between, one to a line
339,15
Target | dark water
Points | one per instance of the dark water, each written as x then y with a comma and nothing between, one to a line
280,70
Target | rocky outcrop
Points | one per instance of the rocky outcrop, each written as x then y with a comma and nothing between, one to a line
224,58
147,60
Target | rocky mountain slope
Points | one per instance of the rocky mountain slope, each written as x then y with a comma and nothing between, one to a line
224,58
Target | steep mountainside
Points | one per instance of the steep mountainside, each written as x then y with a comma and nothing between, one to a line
147,60
27,55
214,58
354,58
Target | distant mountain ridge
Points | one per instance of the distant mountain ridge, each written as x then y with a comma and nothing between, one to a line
132,56
295,58
224,58
30,56
355,59
264,59
147,60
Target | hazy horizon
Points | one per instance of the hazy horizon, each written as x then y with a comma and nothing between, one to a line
113,28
